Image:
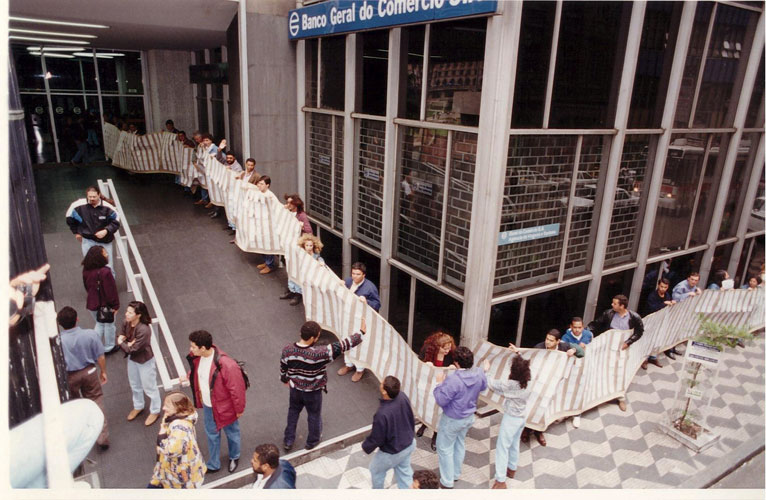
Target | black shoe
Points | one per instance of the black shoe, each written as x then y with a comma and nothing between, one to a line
113,350
655,362
433,442
287,295
670,354
297,299
233,463
421,431
287,446
310,446
103,447
232,232
212,471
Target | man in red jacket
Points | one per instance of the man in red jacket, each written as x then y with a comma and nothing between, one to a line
218,388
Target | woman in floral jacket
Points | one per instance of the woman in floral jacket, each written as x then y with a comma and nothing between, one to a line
179,460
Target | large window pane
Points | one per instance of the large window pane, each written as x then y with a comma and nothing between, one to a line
654,60
589,59
369,178
421,181
399,306
459,205
415,37
623,227
128,110
65,74
532,67
319,169
503,322
29,70
435,311
554,309
121,74
333,78
693,59
455,70
374,71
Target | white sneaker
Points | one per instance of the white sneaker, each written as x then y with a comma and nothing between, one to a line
576,421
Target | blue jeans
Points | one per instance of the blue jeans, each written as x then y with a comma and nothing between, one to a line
82,421
203,195
214,440
143,379
312,401
87,244
382,462
106,331
507,451
450,446
294,287
269,261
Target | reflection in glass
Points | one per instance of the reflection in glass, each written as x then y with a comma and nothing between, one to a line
29,70
415,37
459,205
421,191
534,58
39,132
455,70
693,59
333,72
590,55
369,178
374,71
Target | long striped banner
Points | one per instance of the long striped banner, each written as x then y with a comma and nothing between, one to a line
561,386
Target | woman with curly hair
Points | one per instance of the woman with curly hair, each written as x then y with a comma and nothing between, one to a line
312,246
102,291
438,349
516,393
179,460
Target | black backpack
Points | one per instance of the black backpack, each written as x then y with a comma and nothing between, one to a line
241,365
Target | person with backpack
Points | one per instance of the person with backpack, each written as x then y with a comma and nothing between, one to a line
218,386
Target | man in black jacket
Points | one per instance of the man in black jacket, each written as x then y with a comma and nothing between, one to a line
93,221
393,432
619,318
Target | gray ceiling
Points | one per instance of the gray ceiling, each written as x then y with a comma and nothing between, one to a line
135,24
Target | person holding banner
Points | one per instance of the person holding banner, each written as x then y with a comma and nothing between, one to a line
367,293
269,261
205,149
312,246
657,300
439,350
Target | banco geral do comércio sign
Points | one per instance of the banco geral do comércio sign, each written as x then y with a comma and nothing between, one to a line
342,16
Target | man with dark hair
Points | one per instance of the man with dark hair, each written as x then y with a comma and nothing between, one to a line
577,333
218,387
171,127
263,185
83,350
425,480
456,394
271,472
619,318
249,174
687,288
659,299
93,221
367,293
303,368
185,141
393,432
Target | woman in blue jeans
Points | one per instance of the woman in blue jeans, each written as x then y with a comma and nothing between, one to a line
515,392
102,291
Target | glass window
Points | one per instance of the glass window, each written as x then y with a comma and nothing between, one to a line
611,285
338,168
680,183
415,42
374,71
64,74
627,199
128,110
455,70
319,168
755,110
554,309
421,195
724,54
69,119
29,70
459,206
435,311
333,72
738,185
588,64
503,322
369,179
312,63
120,74
709,190
535,40
693,59
332,252
654,60
399,307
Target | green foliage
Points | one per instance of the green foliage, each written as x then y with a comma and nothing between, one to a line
720,334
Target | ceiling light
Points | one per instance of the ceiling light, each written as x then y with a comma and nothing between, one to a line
51,40
62,56
49,21
90,54
54,33
57,49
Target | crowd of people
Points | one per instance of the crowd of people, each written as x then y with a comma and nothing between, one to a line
219,383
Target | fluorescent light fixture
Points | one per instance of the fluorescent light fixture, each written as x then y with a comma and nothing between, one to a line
62,56
31,48
50,40
90,54
54,33
50,21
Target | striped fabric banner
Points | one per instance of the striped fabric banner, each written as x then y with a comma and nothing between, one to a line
560,386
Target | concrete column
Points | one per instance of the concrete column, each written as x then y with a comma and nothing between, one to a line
500,60
244,79
751,72
395,61
658,165
624,94
300,85
353,68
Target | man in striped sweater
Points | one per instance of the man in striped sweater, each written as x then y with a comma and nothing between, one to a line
303,368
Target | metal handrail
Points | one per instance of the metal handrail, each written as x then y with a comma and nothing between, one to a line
133,286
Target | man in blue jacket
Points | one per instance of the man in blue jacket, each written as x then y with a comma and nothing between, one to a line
393,432
456,394
271,472
367,293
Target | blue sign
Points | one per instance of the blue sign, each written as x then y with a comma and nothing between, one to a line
342,16
527,234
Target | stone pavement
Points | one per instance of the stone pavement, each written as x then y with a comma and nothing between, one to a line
610,449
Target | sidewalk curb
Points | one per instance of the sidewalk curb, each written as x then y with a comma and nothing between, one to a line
723,466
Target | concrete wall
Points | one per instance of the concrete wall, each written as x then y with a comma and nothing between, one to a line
272,94
169,90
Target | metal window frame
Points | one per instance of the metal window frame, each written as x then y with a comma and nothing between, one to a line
552,63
